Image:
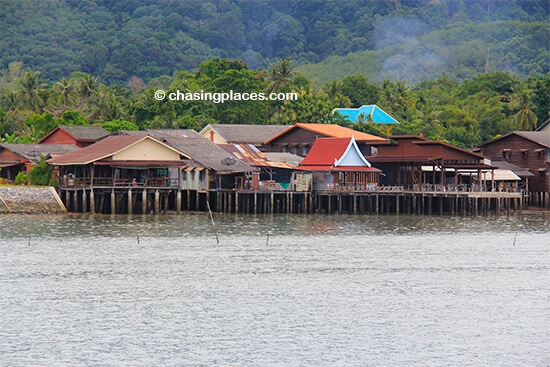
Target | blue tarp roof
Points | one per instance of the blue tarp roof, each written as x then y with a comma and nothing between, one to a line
377,115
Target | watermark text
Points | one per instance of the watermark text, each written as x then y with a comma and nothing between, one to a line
222,97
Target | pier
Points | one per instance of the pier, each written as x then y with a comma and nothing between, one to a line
137,200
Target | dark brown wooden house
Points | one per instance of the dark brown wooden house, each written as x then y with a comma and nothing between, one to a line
81,136
299,138
415,162
15,158
527,149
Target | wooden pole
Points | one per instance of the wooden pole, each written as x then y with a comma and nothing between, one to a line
157,202
130,206
92,201
213,223
113,202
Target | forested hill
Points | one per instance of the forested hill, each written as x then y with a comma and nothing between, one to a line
397,40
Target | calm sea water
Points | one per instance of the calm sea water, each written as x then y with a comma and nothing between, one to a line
82,290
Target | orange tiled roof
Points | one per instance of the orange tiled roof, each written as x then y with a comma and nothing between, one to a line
332,131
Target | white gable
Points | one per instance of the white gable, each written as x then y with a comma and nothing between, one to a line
147,150
352,156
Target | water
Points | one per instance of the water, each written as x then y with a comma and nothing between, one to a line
320,291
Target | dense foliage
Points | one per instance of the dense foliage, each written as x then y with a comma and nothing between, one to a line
40,174
381,39
453,70
462,113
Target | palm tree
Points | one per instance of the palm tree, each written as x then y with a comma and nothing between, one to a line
281,74
31,90
64,90
88,85
525,118
333,88
11,100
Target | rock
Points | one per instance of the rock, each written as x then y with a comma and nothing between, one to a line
31,200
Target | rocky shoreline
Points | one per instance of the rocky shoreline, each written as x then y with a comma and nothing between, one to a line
30,200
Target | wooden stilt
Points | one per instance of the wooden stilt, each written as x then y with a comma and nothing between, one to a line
130,204
92,201
157,202
113,202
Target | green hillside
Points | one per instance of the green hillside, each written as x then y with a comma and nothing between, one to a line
461,71
456,51
412,40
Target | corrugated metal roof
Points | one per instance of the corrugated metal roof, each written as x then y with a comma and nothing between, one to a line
545,126
500,175
332,131
206,153
252,156
521,172
246,134
32,152
93,132
201,150
539,137
375,113
293,159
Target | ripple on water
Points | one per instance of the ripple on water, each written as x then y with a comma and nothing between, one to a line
321,290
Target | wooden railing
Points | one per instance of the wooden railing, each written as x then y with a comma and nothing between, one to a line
118,182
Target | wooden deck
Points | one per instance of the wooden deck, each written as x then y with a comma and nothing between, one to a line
156,200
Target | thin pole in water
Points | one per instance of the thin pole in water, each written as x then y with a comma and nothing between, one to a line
212,219
267,240
137,236
515,238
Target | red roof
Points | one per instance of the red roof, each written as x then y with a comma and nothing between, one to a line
325,152
338,168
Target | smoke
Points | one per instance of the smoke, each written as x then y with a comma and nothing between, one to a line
406,56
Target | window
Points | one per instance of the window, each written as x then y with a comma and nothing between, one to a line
283,149
304,151
294,150
524,153
506,153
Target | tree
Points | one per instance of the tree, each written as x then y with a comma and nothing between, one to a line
88,85
40,174
360,92
397,98
313,107
541,96
32,89
333,88
41,124
118,125
280,75
71,117
64,92
525,118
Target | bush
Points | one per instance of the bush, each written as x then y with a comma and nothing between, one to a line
21,178
40,174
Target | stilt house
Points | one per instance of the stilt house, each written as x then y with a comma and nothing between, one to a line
338,164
